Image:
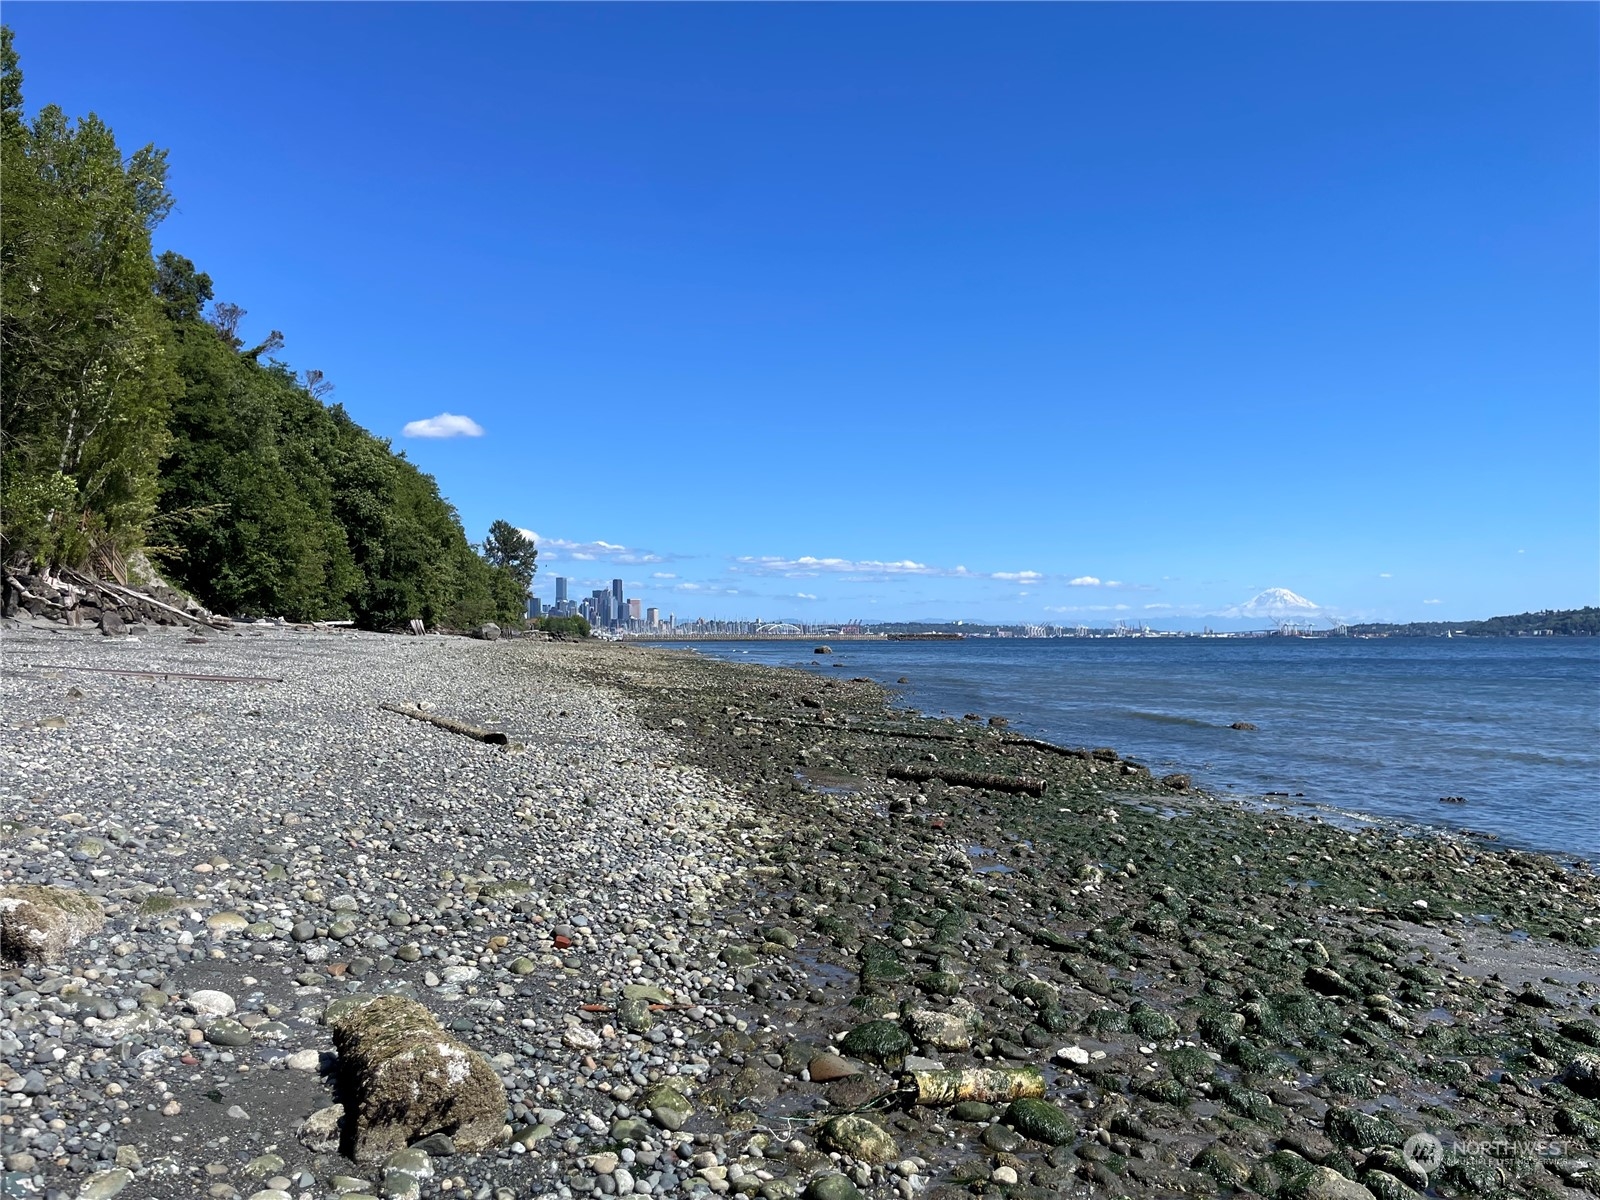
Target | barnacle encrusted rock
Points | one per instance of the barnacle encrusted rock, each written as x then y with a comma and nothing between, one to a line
407,1079
37,924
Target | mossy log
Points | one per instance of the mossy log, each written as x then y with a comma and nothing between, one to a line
407,1079
989,1085
972,779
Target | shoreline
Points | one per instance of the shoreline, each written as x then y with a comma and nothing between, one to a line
1250,773
1216,999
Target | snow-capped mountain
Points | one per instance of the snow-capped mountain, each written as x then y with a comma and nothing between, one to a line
1277,603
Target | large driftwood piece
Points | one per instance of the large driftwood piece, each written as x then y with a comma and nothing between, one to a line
492,736
972,779
141,598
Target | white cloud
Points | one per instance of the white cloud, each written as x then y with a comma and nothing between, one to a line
868,570
1385,575
1085,608
706,589
662,575
445,425
804,596
1083,581
600,551
1155,606
1433,601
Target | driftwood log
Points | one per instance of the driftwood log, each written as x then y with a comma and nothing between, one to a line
492,736
1048,747
129,594
972,779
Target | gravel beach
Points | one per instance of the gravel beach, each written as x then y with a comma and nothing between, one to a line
716,928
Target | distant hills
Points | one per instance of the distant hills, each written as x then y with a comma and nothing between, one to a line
1571,622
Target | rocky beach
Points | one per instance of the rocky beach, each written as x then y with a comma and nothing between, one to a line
704,929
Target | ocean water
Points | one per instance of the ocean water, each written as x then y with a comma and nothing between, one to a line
1376,727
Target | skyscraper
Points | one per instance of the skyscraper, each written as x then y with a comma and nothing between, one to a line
616,598
633,609
561,590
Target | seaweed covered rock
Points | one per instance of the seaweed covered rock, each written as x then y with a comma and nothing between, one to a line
877,1041
1041,1121
669,1106
407,1079
862,1139
37,924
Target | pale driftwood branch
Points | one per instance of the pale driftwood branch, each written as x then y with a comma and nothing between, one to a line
972,779
492,736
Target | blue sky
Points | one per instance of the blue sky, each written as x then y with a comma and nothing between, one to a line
1023,313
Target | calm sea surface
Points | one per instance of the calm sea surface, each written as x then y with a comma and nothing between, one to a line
1381,727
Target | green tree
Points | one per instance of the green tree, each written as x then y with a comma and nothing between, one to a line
84,353
507,548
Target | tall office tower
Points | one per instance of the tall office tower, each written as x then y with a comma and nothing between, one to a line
616,598
652,617
535,607
633,609
561,590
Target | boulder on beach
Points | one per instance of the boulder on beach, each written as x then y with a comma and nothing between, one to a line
1243,726
488,632
38,924
823,650
407,1078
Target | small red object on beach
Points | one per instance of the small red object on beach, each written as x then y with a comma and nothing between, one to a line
936,823
562,941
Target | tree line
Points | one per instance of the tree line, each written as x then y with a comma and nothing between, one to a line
136,419
1569,622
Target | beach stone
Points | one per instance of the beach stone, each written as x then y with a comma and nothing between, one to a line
210,1003
633,1013
226,922
1324,1183
225,1031
1385,1186
105,1184
832,1187
669,1107
303,1060
38,924
951,1029
407,1079
860,1138
827,1067
1582,1075
320,1133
